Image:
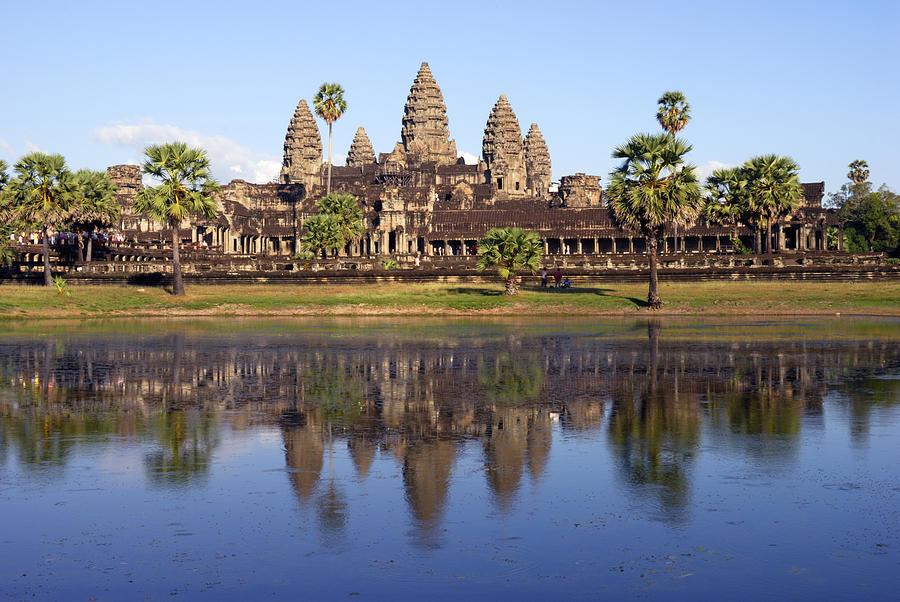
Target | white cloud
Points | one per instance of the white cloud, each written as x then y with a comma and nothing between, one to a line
242,162
31,147
705,170
4,146
469,158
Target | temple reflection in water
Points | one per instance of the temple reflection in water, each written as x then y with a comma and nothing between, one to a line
418,398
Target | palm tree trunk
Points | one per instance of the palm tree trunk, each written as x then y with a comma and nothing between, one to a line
653,299
90,244
757,240
48,277
177,282
769,235
511,288
328,185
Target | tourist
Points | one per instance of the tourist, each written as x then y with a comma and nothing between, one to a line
543,277
418,261
557,277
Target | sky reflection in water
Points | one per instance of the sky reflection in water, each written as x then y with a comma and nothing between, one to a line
666,459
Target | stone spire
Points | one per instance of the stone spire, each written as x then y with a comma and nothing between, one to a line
361,152
537,162
503,150
302,149
425,134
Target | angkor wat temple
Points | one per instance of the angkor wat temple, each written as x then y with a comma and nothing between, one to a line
421,198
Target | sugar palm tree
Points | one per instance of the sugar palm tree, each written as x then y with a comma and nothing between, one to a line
330,105
95,207
652,189
511,250
859,171
726,200
346,212
321,233
773,191
40,195
673,114
186,188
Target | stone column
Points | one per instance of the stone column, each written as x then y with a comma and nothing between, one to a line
631,244
840,237
596,246
580,247
613,245
546,246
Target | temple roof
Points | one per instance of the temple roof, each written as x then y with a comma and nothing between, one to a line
302,145
361,151
425,129
502,136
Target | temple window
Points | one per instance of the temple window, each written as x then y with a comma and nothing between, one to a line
499,183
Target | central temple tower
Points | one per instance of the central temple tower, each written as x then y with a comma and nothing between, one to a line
425,135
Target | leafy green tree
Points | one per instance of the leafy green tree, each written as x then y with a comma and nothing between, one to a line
321,234
41,194
511,250
7,230
346,213
726,199
674,112
95,207
330,105
872,223
339,220
186,188
652,189
859,171
774,192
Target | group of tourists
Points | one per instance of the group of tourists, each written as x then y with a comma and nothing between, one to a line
558,280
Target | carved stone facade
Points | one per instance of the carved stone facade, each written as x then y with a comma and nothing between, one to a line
421,200
361,152
302,150
580,190
537,163
504,152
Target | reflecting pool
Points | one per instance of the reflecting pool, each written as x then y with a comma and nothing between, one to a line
237,459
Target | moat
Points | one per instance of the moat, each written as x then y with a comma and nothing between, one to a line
558,458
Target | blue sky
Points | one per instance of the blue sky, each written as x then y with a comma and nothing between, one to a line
818,81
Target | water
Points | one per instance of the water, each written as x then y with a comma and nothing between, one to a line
551,459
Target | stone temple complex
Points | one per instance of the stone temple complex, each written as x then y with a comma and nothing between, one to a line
422,199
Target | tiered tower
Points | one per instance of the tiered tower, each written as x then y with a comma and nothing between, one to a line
537,163
361,152
503,151
425,135
302,149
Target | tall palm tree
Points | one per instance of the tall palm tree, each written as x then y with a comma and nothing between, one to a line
673,114
40,195
330,105
859,171
653,188
773,191
726,200
95,207
186,188
511,250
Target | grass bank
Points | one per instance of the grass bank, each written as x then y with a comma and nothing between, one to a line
681,298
